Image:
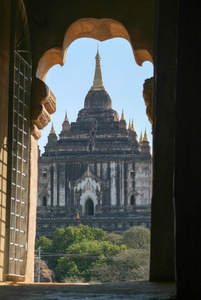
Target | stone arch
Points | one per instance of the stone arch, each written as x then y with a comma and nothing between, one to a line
100,29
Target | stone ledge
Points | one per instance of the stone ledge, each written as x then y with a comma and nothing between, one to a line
139,290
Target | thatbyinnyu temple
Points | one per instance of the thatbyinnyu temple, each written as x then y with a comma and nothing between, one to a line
96,168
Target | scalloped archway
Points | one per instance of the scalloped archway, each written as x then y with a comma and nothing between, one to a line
100,29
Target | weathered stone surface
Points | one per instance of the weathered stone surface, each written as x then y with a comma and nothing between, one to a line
43,104
148,97
131,290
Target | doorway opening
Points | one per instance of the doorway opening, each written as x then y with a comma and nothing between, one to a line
89,207
44,201
132,200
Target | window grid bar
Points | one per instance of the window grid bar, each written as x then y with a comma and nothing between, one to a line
19,177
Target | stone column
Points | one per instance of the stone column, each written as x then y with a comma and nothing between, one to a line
31,230
43,104
162,218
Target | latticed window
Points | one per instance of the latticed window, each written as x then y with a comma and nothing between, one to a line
19,142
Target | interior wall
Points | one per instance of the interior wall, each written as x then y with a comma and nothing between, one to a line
4,98
162,264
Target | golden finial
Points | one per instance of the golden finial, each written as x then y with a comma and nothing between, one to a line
122,115
98,82
129,125
145,138
66,118
78,216
52,129
141,139
132,126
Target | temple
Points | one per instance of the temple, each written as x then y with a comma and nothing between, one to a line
96,167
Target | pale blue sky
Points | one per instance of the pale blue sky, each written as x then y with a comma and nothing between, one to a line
122,77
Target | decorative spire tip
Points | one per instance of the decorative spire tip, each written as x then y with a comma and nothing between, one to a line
132,126
141,139
122,115
98,82
145,138
52,129
66,118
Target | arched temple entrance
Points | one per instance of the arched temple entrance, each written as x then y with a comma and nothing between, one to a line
89,207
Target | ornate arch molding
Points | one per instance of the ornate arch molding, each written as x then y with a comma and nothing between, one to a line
100,29
86,195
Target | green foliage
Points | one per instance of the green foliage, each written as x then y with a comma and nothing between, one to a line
63,238
83,256
44,243
137,237
129,265
114,238
89,254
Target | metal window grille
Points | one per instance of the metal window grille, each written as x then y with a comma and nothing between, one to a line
20,166
19,135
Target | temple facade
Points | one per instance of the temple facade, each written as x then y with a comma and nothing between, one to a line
96,172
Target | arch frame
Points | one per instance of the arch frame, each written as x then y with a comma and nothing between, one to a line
100,29
83,199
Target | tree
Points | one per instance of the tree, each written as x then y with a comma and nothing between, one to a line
137,237
128,265
44,243
82,257
63,238
83,254
114,238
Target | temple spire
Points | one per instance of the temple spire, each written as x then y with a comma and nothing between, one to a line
98,82
52,129
129,125
145,138
141,139
132,126
65,125
122,115
66,118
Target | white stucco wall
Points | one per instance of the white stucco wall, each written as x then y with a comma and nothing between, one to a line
143,184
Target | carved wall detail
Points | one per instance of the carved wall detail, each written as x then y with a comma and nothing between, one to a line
148,98
43,104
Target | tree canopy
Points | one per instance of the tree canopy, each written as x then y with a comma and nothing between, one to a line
84,254
137,237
